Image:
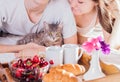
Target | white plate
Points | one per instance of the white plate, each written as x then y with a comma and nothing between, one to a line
6,57
112,58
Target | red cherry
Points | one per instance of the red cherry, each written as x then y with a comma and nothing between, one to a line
19,72
51,62
15,64
41,63
19,62
45,63
36,59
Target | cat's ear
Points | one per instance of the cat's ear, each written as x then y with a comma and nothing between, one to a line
46,26
60,26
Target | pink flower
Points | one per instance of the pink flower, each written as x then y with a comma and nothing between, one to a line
95,43
92,44
88,46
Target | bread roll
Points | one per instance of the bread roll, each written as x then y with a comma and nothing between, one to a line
59,75
76,69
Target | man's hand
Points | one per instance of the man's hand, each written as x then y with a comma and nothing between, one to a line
33,45
30,50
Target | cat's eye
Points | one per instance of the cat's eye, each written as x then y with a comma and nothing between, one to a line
50,33
42,31
80,2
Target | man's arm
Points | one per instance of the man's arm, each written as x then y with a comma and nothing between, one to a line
10,48
17,48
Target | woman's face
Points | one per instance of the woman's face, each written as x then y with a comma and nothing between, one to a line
80,7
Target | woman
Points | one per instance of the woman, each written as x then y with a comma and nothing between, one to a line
97,18
20,17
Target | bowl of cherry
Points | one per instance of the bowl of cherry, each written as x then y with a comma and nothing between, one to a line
30,69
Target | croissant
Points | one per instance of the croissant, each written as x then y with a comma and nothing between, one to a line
59,75
76,69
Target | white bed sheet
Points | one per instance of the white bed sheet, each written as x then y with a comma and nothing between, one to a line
6,57
112,58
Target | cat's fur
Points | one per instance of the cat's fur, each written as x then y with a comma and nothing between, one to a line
49,35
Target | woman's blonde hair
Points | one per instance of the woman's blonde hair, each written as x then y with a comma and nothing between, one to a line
106,17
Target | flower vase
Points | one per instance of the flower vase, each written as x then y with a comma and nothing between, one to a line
94,71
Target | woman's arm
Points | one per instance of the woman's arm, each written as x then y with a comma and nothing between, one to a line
114,38
71,40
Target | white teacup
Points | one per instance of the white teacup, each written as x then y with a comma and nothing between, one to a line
55,53
71,53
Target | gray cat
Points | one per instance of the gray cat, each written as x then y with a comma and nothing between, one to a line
49,35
